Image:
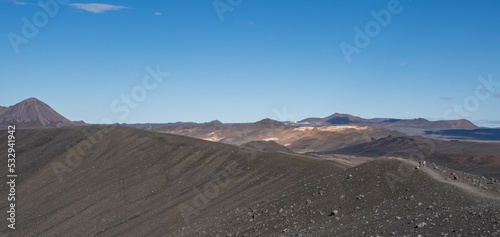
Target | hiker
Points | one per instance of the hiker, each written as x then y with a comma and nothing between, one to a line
419,163
424,163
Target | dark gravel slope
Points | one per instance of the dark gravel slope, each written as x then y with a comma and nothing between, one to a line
116,181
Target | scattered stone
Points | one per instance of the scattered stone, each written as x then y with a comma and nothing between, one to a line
421,224
334,212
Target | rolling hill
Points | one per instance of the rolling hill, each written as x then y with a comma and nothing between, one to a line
295,138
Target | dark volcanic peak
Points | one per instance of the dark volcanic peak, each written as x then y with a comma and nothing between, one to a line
339,118
31,113
344,115
215,122
269,122
310,120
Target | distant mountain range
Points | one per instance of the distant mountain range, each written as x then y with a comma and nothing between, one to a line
33,113
346,119
413,127
296,138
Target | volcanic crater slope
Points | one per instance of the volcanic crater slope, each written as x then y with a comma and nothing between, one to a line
379,198
118,181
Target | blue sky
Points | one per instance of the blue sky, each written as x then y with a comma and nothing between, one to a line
278,59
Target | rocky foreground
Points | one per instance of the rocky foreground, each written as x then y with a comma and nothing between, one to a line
379,198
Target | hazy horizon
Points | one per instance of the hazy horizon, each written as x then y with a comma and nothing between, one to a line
281,60
281,116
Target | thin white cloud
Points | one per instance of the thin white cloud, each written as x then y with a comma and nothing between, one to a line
158,14
97,7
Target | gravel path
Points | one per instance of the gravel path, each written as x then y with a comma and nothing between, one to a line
439,177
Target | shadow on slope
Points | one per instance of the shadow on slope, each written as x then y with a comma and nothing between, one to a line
485,134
